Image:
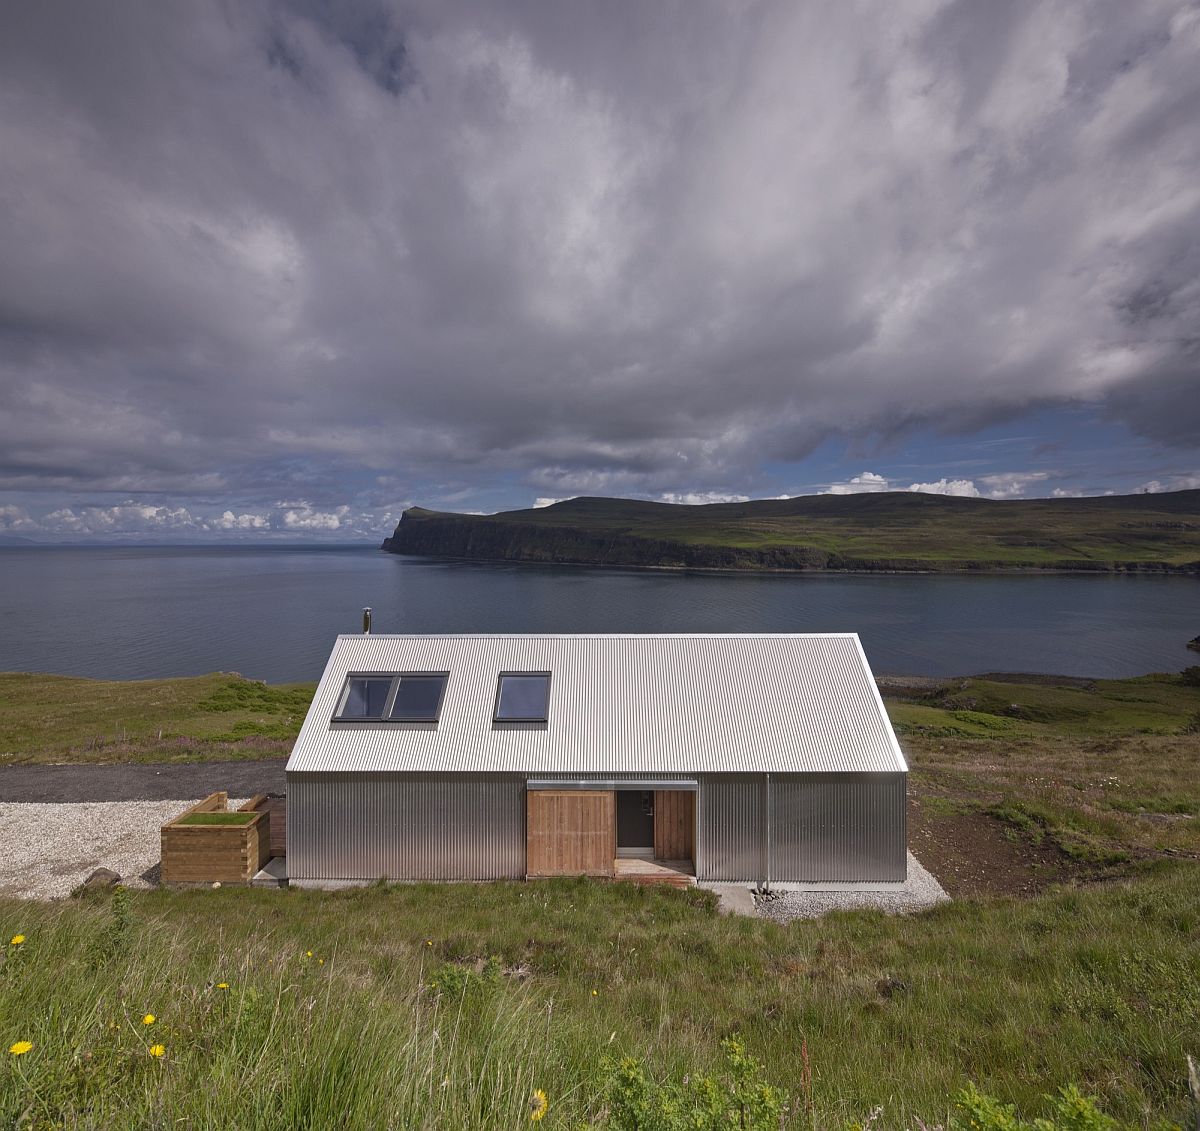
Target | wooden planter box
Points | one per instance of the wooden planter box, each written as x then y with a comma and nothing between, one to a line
205,854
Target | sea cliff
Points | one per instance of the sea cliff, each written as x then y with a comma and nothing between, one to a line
881,533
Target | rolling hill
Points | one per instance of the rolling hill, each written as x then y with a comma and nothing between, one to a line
888,531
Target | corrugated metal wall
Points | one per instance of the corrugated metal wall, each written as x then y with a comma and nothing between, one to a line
406,826
824,827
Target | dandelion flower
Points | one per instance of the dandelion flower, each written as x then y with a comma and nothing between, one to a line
222,985
320,962
17,940
429,942
20,1048
156,1051
538,1105
595,993
149,1019
308,954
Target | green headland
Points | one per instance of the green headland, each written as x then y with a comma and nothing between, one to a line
890,531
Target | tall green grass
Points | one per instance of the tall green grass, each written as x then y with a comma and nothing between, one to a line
448,1006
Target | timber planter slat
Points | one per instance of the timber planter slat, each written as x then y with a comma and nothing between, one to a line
205,854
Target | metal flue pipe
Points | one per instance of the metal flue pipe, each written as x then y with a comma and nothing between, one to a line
367,620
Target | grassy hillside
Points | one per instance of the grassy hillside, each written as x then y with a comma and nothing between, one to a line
448,1006
50,718
1099,775
890,530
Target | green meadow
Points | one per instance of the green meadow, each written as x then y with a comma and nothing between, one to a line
451,1006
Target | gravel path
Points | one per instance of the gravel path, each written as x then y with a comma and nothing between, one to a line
73,840
126,781
919,892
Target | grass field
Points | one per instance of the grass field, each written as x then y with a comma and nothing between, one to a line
423,1006
865,531
48,718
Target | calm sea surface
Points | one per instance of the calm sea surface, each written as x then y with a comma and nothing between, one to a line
273,613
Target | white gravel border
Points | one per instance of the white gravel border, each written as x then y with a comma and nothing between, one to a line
49,850
810,901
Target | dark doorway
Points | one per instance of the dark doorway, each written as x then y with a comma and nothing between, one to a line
635,819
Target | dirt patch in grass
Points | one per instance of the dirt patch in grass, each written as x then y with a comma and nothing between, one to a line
973,854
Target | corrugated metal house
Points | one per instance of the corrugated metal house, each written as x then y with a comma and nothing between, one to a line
755,757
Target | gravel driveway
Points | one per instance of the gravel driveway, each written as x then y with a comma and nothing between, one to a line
50,849
58,824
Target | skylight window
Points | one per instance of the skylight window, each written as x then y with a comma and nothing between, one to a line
365,698
405,697
419,697
523,697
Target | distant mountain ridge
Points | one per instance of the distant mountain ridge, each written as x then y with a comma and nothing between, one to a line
886,531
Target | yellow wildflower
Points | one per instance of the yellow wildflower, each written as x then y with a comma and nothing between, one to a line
308,954
20,1048
222,985
17,940
156,1050
320,962
538,1105
149,1019
595,993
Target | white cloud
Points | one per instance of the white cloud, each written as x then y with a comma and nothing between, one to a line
544,501
868,481
701,498
1184,482
1012,484
961,487
16,520
302,516
231,521
125,518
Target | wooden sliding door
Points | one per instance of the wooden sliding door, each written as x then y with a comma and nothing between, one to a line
571,832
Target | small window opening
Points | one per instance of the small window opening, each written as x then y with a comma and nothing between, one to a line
523,697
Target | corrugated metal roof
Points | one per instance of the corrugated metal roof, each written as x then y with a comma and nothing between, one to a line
793,703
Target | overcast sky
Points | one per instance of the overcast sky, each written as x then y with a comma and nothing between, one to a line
284,269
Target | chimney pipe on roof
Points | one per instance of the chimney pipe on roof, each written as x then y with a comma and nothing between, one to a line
367,620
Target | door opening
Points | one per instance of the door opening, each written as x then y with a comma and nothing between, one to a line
635,823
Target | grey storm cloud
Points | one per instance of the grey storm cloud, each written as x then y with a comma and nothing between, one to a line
264,248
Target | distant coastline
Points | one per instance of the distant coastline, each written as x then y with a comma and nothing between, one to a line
889,533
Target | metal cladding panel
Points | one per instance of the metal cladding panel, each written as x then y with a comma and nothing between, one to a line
729,828
838,827
824,827
619,705
405,826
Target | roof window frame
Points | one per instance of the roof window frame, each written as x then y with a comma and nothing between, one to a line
390,701
543,719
